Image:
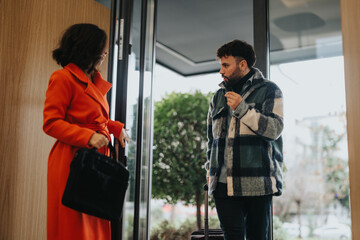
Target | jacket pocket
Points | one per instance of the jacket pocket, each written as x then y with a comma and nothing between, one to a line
251,157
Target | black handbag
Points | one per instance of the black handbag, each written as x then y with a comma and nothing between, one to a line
96,184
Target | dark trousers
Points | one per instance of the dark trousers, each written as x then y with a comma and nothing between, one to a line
242,216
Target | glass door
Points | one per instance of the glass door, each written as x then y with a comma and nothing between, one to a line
132,55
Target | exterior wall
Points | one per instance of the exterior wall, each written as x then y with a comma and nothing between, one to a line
29,31
350,12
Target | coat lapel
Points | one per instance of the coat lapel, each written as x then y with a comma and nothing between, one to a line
96,90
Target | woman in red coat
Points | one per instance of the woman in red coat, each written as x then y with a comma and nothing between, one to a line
76,113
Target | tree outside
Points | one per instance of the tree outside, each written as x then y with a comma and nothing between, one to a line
316,184
180,149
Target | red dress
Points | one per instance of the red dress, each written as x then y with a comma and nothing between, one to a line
75,108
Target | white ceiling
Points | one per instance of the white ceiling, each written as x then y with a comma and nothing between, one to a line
190,31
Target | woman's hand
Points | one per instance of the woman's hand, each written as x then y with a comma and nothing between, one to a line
98,140
124,136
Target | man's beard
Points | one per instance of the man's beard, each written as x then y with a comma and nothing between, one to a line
234,77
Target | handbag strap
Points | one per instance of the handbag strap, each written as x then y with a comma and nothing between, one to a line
113,151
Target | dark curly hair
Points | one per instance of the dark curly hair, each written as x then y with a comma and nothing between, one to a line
81,44
238,48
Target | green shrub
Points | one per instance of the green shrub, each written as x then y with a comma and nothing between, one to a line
167,231
279,232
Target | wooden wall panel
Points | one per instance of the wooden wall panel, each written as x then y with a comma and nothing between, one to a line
350,12
29,31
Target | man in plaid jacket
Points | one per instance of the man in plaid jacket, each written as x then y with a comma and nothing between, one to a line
245,122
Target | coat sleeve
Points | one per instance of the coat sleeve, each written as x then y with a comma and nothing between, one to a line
58,98
115,128
267,120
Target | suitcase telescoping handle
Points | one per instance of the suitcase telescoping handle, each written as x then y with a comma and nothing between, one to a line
206,219
206,206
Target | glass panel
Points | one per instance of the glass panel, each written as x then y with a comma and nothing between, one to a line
147,123
134,76
307,64
132,118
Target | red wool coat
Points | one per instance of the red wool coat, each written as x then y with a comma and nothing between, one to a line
75,108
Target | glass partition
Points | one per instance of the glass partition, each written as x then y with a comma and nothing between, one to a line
307,64
147,126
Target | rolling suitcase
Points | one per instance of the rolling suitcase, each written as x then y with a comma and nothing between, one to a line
211,235
206,233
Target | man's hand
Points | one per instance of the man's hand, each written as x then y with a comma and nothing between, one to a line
233,100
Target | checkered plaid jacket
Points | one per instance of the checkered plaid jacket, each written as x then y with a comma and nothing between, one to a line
253,149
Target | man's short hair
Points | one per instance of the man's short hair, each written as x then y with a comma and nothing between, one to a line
238,48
